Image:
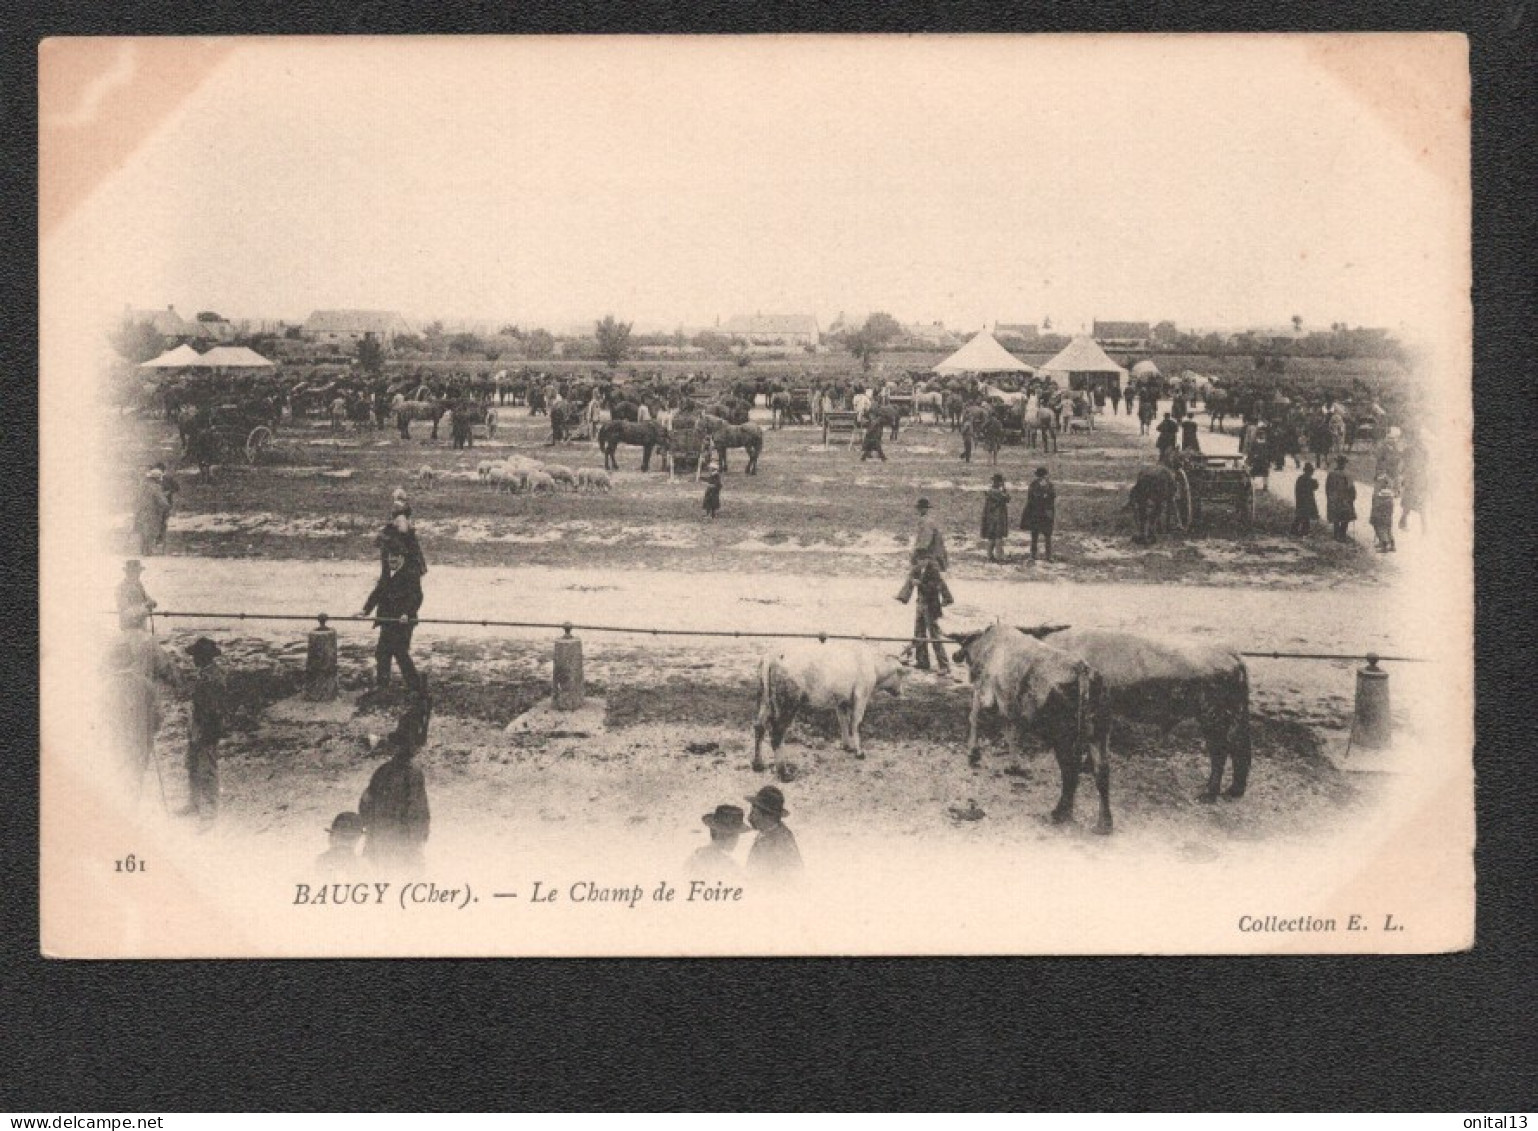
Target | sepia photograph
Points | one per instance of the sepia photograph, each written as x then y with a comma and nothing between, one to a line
753,496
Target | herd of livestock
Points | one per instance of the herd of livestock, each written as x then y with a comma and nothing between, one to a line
1065,685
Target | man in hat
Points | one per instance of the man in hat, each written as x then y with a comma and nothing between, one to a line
774,854
1040,513
151,510
1306,505
204,730
1340,499
134,605
394,808
1169,434
340,860
714,860
394,603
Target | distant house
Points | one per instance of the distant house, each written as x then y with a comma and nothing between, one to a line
1019,331
931,334
774,331
167,323
215,331
348,327
1122,335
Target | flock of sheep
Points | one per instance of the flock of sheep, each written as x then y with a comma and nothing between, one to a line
519,474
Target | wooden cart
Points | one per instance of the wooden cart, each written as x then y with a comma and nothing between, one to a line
1204,479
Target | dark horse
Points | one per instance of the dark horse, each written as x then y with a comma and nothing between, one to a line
732,411
1153,502
722,435
419,410
645,435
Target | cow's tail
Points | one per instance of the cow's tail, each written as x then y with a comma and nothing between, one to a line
1082,746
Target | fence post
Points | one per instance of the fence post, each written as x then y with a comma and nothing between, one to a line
320,663
568,690
1372,728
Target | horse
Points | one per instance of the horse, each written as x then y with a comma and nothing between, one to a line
1153,502
1219,403
731,410
887,414
954,405
722,435
930,402
783,410
1043,421
407,411
992,437
625,410
565,418
645,435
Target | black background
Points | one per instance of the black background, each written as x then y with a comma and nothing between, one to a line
1448,1032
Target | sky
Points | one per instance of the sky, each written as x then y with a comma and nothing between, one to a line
1214,181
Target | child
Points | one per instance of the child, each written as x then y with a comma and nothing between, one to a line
1382,514
712,490
341,859
996,518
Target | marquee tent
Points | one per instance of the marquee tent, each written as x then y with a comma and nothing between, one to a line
1086,365
983,354
1145,368
235,357
182,357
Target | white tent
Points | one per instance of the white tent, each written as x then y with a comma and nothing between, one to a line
1083,355
182,357
983,354
1145,368
235,357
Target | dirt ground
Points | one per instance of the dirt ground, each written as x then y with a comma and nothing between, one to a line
810,509
815,542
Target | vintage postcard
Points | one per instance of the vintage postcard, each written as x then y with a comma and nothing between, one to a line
786,495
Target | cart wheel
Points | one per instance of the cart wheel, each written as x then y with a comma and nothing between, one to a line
1185,506
1247,503
257,443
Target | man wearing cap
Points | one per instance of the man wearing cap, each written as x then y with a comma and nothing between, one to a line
341,859
204,730
394,809
397,595
714,860
774,854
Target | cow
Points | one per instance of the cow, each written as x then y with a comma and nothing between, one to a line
1165,682
839,675
646,436
1037,687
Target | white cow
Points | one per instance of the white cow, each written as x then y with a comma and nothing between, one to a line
840,675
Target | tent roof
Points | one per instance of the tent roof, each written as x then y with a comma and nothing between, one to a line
235,357
181,357
1082,355
1145,366
983,354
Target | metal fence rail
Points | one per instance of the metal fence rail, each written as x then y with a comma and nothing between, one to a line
568,627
